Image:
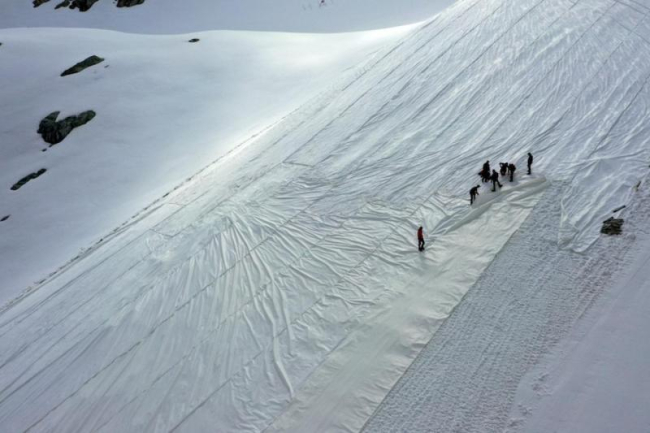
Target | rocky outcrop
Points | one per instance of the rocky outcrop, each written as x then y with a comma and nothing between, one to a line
85,5
612,226
27,178
54,132
90,61
82,5
193,40
4,218
128,3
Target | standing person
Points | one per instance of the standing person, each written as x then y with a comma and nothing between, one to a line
420,239
473,193
485,176
511,170
486,169
530,162
504,168
495,180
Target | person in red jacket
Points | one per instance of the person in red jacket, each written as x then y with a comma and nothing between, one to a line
420,239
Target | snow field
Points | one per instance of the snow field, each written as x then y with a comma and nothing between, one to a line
524,304
282,287
595,379
178,106
177,17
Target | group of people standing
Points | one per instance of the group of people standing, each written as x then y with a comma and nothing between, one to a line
488,175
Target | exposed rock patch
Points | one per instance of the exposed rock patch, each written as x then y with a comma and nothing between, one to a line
82,5
194,40
26,179
87,63
54,132
85,5
128,3
4,218
612,226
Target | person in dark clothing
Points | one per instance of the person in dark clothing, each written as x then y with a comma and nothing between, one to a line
486,169
530,162
420,239
495,180
485,176
504,168
473,193
511,171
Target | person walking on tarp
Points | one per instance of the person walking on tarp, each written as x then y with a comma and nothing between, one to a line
530,162
511,171
495,180
420,239
473,193
504,168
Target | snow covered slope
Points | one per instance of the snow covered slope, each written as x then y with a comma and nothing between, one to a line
597,380
165,109
281,289
183,16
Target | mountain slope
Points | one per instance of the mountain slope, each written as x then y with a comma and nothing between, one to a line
164,109
184,16
281,288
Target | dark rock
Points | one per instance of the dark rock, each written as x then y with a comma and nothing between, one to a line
82,5
27,178
4,218
90,61
54,132
85,5
128,3
194,40
612,226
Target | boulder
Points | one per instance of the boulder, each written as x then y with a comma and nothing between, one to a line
612,226
194,40
90,61
82,5
54,132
